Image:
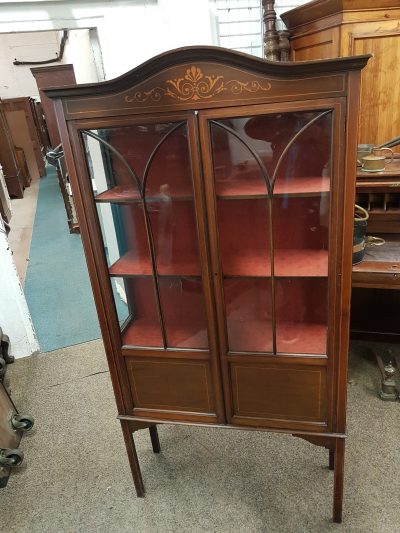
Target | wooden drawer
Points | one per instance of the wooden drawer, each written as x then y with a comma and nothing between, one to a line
385,280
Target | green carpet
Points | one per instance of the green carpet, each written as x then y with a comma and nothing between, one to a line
57,286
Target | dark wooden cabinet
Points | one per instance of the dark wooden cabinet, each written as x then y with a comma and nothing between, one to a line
52,76
8,160
215,197
21,121
376,280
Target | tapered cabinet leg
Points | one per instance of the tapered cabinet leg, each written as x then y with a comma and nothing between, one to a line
133,458
155,441
331,459
338,480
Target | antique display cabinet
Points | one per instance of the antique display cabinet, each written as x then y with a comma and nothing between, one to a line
215,197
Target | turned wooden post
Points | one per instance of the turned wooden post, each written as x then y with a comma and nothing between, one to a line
271,40
284,45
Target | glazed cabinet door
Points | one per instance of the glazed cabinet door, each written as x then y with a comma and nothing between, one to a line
145,186
272,182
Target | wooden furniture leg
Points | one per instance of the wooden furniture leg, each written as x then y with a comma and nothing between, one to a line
338,480
133,458
331,459
155,441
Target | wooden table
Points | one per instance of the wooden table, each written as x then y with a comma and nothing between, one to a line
376,280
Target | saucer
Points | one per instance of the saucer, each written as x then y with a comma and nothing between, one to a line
367,170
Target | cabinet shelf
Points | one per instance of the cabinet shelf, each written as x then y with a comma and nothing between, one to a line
255,188
129,194
231,189
181,264
291,337
288,263
144,333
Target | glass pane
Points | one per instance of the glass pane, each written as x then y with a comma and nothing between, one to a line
243,235
301,240
171,208
143,327
243,217
120,298
143,186
127,252
184,312
249,314
272,181
301,227
301,315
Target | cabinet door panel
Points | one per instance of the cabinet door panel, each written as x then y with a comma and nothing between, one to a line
171,385
290,393
143,185
269,190
271,175
248,314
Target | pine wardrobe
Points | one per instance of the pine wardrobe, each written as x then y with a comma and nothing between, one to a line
215,195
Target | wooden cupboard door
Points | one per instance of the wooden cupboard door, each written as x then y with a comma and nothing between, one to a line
148,197
379,119
178,388
281,394
324,44
269,190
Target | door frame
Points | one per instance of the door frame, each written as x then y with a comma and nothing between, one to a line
335,259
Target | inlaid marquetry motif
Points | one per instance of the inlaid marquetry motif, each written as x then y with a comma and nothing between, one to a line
196,85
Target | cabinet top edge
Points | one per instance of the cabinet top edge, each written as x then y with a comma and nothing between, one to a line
318,9
212,54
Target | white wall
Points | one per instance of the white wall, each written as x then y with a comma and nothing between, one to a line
78,51
15,319
281,6
130,31
18,81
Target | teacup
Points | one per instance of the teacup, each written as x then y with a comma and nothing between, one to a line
376,161
362,151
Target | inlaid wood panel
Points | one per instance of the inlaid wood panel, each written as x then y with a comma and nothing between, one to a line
171,385
280,392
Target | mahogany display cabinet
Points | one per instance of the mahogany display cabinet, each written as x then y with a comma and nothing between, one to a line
215,196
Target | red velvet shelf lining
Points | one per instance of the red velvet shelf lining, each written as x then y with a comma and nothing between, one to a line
293,263
291,337
307,186
296,338
288,263
142,333
129,193
301,338
130,264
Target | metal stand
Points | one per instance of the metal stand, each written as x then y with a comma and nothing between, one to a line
388,392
